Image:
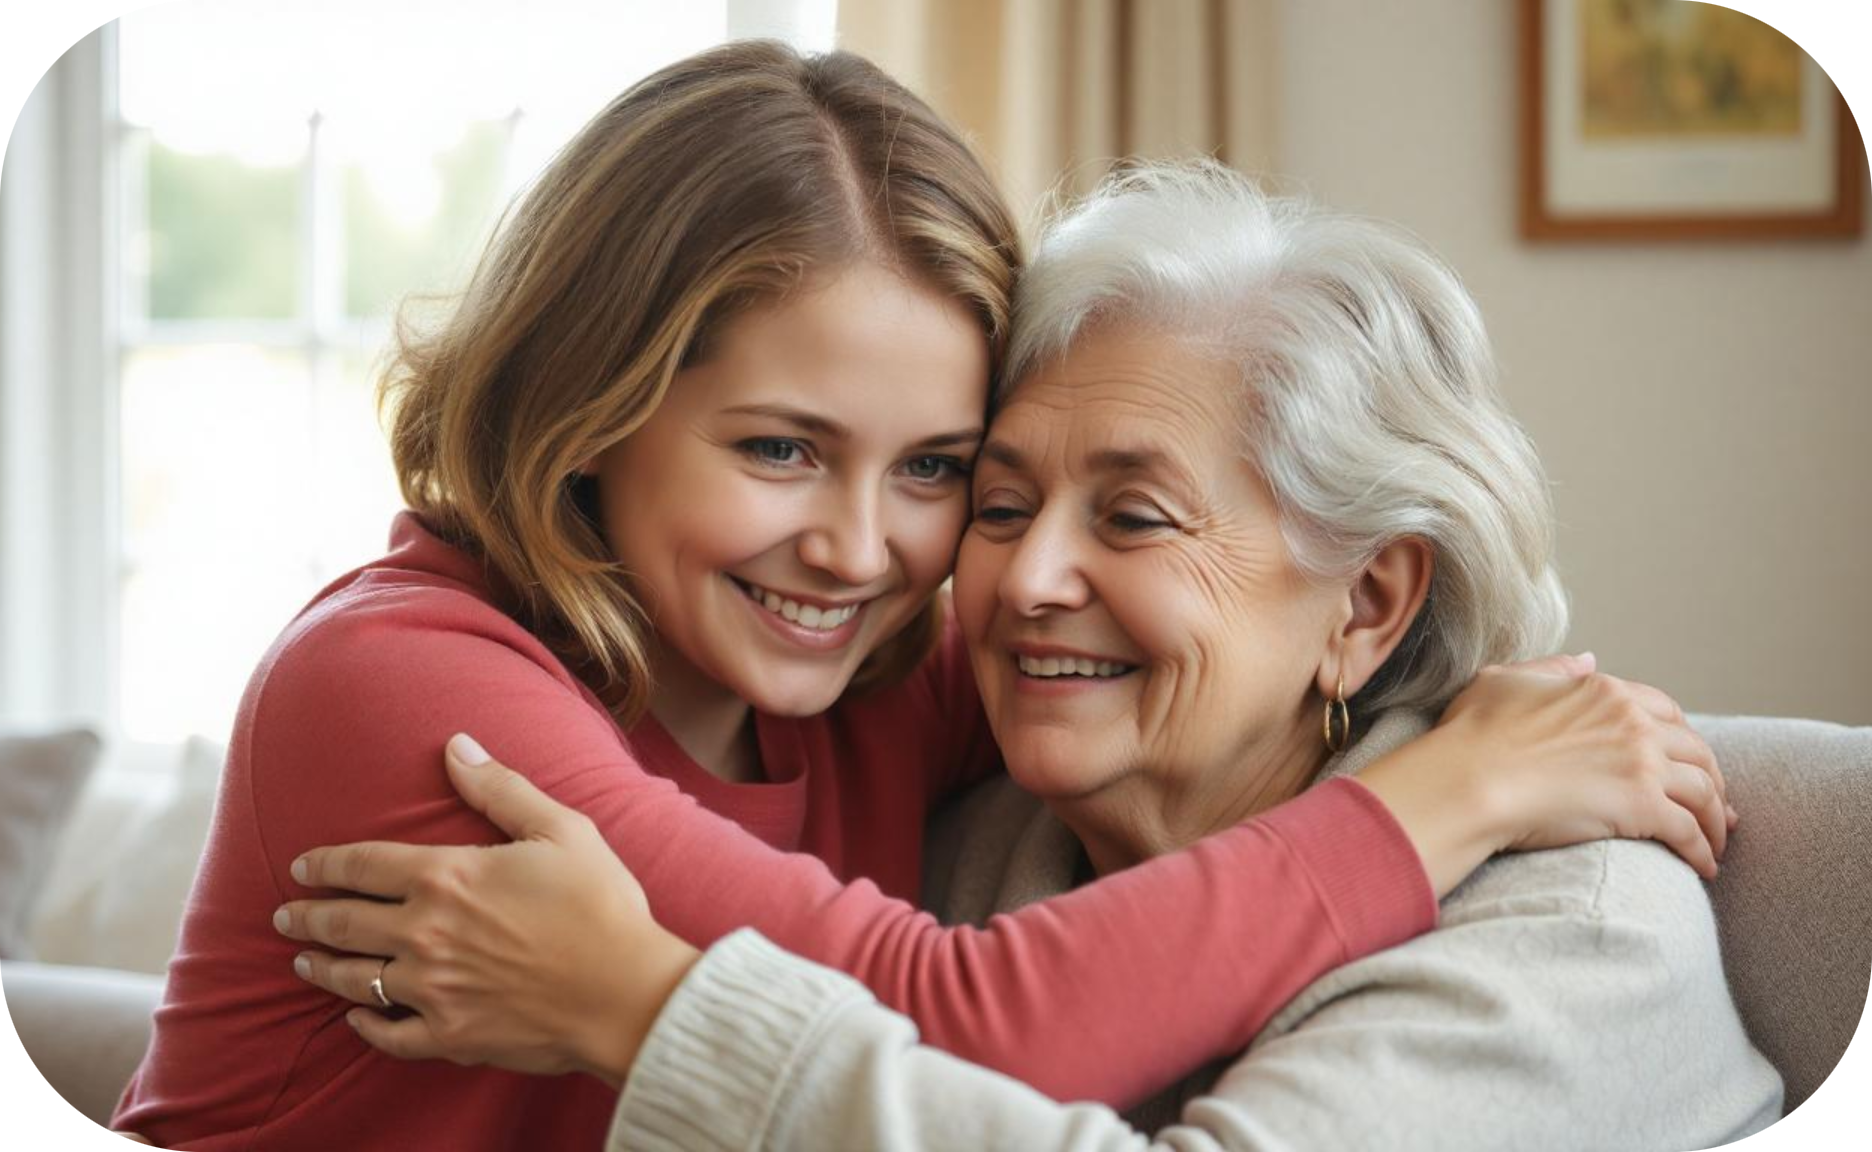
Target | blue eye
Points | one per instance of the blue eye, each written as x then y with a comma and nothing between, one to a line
935,469
775,451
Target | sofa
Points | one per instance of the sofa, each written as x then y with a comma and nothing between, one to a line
1793,907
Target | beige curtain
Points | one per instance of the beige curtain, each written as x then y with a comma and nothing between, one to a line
1053,91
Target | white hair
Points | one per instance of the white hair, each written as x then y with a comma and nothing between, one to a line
1368,395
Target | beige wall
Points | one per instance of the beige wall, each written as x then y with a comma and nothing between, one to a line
1704,410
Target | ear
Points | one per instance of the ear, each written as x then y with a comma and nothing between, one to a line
1383,601
589,468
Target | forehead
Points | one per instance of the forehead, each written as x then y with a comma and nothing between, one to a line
864,339
1124,391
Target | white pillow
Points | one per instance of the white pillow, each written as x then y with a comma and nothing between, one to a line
125,910
40,779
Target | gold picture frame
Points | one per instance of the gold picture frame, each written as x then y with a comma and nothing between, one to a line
1667,119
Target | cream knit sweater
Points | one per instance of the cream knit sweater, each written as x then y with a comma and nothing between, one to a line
1571,999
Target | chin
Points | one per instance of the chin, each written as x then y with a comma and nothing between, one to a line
1057,764
796,701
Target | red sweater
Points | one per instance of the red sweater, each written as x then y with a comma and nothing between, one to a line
1105,993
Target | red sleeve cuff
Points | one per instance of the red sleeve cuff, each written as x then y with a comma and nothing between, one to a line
1370,880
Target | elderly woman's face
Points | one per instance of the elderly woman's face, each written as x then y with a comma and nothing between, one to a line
1138,627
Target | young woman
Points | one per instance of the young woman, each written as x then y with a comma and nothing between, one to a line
687,467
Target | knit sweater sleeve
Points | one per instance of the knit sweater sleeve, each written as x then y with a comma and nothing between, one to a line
1104,993
1531,1019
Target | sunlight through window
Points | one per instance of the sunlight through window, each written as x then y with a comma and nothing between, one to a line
288,175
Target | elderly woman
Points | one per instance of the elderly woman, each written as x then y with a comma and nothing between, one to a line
1252,499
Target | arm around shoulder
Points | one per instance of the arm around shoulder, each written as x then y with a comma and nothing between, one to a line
350,728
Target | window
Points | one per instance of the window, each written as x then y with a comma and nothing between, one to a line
279,177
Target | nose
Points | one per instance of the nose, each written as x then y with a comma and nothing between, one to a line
1046,570
849,540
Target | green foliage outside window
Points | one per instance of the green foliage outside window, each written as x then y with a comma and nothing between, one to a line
221,237
387,258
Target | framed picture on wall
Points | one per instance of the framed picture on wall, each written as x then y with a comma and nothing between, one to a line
1659,119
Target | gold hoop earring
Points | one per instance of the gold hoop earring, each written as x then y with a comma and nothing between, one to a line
1338,704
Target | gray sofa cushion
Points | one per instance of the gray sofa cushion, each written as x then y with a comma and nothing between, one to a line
1794,900
40,779
85,1028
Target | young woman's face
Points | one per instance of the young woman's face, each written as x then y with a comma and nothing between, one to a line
798,496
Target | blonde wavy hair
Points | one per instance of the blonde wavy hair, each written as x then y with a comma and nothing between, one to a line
719,183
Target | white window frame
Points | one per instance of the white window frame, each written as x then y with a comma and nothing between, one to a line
58,449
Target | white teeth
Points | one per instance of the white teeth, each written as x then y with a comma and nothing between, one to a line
805,615
1049,666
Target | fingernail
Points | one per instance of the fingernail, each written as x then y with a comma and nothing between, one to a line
351,1018
301,871
467,750
1588,656
282,921
302,966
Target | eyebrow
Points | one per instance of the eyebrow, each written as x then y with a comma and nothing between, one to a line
1104,460
817,424
1149,461
1128,460
1004,454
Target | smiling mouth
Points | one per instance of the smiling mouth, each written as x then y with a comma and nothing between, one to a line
1060,667
793,612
